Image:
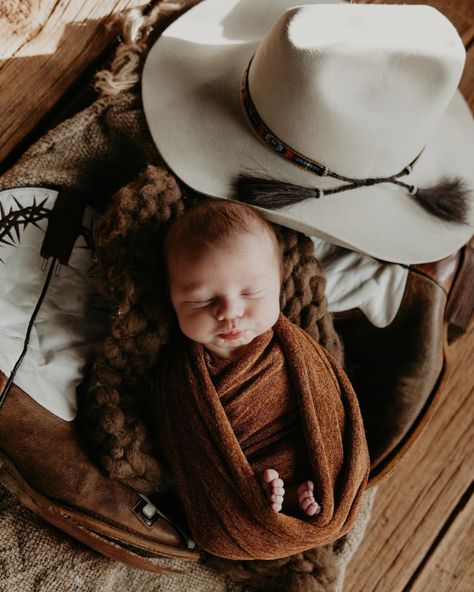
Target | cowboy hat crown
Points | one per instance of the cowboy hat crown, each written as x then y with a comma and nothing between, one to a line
353,104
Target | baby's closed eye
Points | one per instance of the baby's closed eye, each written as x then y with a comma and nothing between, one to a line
200,303
253,293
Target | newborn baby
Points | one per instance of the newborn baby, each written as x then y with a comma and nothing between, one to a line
245,400
224,273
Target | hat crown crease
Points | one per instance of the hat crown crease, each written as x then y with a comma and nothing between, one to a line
351,101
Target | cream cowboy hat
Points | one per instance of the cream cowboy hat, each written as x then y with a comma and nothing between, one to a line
356,102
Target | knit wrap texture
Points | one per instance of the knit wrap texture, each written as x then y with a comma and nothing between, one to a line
285,404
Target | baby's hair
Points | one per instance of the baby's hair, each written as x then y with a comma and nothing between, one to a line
216,222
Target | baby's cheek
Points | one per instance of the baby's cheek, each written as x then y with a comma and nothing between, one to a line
270,312
189,323
276,312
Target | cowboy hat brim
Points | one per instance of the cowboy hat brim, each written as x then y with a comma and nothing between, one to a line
191,98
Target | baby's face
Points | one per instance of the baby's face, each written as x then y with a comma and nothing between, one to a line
225,296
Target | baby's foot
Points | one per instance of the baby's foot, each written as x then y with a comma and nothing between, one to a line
306,499
274,488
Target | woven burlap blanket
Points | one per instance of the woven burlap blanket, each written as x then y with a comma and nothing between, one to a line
35,557
106,147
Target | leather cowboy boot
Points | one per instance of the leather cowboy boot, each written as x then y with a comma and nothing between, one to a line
398,371
42,461
44,466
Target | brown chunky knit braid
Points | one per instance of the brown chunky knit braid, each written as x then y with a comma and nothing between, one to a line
303,296
112,405
128,241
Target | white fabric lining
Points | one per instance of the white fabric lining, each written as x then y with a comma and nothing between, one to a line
70,320
355,280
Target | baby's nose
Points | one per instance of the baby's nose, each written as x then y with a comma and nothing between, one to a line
229,309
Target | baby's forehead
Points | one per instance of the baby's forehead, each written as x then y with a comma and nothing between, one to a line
243,255
238,240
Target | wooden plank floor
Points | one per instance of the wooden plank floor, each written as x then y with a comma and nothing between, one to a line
421,536
46,47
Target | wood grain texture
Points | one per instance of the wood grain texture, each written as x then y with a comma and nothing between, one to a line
415,501
45,46
451,567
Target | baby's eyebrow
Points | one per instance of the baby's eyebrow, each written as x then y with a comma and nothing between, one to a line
190,286
193,287
198,290
258,277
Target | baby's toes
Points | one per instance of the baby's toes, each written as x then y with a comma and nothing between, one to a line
275,489
306,487
306,499
269,475
310,507
277,492
276,502
305,490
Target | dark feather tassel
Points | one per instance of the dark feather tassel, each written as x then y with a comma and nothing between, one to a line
270,194
447,200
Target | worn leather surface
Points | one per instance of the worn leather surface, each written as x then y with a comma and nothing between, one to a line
395,370
40,451
460,307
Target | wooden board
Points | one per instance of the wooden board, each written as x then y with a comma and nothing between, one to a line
45,47
451,566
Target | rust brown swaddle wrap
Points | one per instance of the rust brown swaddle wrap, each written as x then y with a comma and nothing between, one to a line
210,429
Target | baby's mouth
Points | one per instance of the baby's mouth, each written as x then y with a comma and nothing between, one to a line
233,334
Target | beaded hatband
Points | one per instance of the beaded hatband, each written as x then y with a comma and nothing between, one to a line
291,155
